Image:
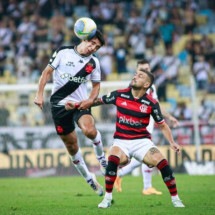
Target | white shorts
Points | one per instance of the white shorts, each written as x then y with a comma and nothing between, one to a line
134,148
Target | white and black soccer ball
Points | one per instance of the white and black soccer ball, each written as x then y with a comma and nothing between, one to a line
85,28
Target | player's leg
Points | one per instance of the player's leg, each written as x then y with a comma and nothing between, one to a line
87,124
155,158
70,141
148,189
65,128
129,167
124,171
116,157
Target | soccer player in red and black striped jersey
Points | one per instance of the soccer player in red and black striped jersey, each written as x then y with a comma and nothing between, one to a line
148,189
72,67
132,139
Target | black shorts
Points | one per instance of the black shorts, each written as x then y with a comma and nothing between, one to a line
65,120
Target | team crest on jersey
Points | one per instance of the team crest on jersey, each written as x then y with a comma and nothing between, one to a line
143,108
89,67
59,129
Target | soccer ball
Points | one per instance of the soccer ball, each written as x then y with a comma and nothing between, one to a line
85,28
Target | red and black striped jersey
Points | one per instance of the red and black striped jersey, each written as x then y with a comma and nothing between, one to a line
133,114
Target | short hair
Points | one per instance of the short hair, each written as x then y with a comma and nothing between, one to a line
99,36
150,75
142,61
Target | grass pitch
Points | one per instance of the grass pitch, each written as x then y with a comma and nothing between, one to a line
72,196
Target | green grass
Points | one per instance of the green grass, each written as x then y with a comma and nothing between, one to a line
72,196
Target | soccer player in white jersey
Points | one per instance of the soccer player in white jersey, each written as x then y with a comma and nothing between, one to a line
147,172
131,138
72,67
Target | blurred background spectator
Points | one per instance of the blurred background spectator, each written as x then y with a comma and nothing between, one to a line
177,37
4,115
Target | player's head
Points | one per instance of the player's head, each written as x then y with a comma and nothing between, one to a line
142,79
144,64
91,45
99,36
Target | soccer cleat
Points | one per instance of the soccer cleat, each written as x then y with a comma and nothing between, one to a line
151,191
177,203
118,184
106,203
96,186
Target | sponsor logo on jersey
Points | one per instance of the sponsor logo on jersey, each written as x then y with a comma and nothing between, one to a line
108,98
157,114
143,108
130,121
145,102
124,103
74,79
125,96
69,63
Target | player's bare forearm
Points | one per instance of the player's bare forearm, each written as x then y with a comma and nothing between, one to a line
174,122
166,132
42,83
168,135
95,91
97,102
85,104
77,105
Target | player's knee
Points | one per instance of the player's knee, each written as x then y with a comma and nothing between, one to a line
71,147
157,158
89,132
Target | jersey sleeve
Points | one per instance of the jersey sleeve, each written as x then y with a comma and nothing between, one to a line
96,74
110,98
156,113
54,60
154,94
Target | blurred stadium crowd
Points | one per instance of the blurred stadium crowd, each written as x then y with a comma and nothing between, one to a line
178,37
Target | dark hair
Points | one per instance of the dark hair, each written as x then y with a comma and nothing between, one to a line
142,61
150,75
99,36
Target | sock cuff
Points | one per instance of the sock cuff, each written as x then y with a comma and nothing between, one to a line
77,156
114,159
97,139
162,164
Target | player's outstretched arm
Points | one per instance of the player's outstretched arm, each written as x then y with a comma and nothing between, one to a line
168,135
85,104
76,105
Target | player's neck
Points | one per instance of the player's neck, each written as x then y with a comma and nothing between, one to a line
138,93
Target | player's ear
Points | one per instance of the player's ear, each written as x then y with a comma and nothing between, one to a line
147,84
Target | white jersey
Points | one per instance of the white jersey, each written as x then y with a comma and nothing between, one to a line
151,91
71,73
